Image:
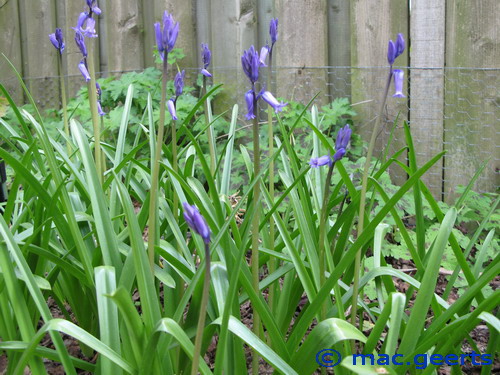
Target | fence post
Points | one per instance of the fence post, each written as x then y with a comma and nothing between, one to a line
471,102
427,86
373,23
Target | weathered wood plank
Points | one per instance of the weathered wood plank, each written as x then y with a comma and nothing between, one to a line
123,44
300,47
472,95
339,48
38,20
373,24
427,86
10,46
233,27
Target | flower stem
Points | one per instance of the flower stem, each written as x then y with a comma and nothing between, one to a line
203,313
322,233
155,168
208,120
93,110
270,133
64,103
357,261
255,229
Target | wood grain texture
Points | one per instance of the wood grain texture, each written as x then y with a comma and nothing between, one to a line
301,47
373,24
427,90
39,55
10,46
123,42
339,48
472,102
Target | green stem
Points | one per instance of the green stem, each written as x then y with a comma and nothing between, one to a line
93,110
203,313
210,136
270,132
153,200
64,103
322,233
255,230
357,261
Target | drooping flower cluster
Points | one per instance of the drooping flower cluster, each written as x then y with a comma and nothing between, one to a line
196,221
393,51
179,86
85,28
206,56
251,61
341,143
166,36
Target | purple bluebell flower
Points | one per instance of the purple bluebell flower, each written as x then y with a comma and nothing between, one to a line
166,37
398,83
250,62
319,162
57,40
206,56
395,49
272,101
179,83
93,8
341,143
80,42
99,109
273,30
171,109
249,98
400,45
196,221
86,25
264,51
83,69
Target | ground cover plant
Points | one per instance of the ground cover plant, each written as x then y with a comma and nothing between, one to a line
131,243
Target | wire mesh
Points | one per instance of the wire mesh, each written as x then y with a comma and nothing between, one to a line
465,122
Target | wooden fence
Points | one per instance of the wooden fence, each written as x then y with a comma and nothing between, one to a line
453,101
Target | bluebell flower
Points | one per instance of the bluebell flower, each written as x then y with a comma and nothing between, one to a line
171,109
206,56
196,221
57,40
273,30
83,69
166,37
264,51
86,25
80,42
395,49
319,162
179,83
250,62
341,143
249,98
398,83
272,101
93,8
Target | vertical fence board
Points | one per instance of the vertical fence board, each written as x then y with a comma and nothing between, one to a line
373,23
233,30
123,42
302,47
471,127
339,48
10,46
203,31
39,56
427,85
183,11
